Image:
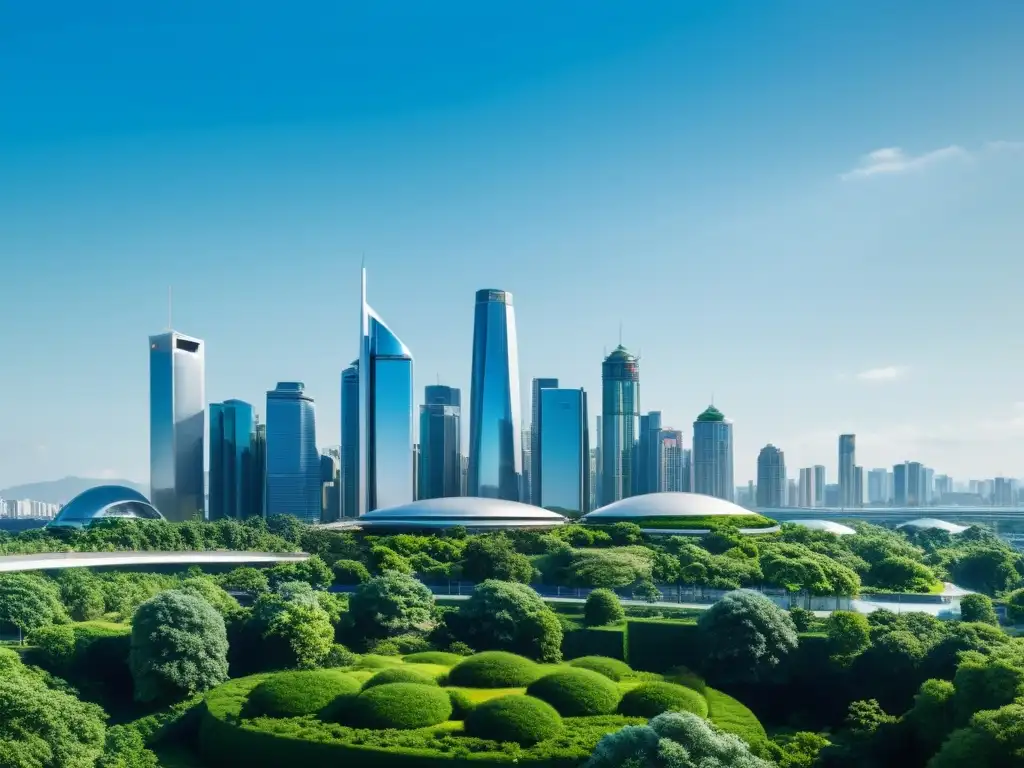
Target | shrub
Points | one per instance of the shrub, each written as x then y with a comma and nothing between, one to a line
848,633
462,704
494,669
29,602
305,631
613,669
399,646
977,607
577,692
401,705
651,699
340,656
373,661
388,605
398,675
521,719
294,694
510,617
350,573
801,617
441,658
602,608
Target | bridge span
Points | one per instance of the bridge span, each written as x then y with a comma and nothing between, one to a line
46,561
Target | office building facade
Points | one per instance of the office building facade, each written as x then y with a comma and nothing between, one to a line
293,461
350,421
675,461
620,423
819,485
805,488
177,425
712,455
847,462
386,460
647,478
878,486
532,469
771,478
563,433
495,450
440,459
234,472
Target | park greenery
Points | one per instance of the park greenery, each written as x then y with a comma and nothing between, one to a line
112,668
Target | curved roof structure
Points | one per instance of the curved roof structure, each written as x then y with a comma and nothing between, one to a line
931,524
54,560
829,526
468,511
104,501
667,504
711,414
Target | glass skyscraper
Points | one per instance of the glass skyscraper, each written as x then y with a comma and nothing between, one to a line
177,425
440,467
771,478
495,450
386,458
712,455
293,461
847,462
675,461
349,491
533,471
234,474
564,485
648,455
620,423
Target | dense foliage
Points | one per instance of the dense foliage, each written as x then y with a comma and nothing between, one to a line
514,718
506,616
745,636
576,692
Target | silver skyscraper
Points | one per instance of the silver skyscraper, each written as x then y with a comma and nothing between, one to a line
495,449
177,425
386,460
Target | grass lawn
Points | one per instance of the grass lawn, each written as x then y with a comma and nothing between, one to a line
480,695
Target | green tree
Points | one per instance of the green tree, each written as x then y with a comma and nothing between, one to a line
179,647
848,633
745,637
350,573
992,739
1015,606
288,527
494,557
125,748
81,594
245,579
313,571
208,589
307,632
29,602
986,567
977,607
901,573
503,615
602,607
388,605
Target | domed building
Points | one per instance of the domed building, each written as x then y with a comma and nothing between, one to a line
476,514
104,502
828,526
686,514
933,524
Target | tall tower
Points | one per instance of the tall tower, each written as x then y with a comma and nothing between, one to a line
847,462
648,477
564,436
386,459
232,461
293,461
177,425
771,478
620,423
440,467
675,461
495,450
712,455
534,469
819,486
349,480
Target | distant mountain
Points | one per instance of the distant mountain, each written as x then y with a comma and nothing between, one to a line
63,490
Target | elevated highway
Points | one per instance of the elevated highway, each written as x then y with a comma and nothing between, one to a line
52,560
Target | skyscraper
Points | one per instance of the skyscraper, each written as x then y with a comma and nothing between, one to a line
177,425
565,452
440,472
386,467
293,461
771,478
620,423
915,484
878,486
900,487
858,486
847,461
819,486
675,461
805,488
349,480
648,455
232,461
259,465
533,473
712,455
330,465
495,453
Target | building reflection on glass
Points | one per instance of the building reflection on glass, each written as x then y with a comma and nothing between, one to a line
712,455
620,423
235,473
564,481
440,454
293,461
177,425
386,468
495,452
349,480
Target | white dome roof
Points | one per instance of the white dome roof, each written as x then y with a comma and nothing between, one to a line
670,504
829,526
932,523
469,511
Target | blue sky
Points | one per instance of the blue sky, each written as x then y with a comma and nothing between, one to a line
700,172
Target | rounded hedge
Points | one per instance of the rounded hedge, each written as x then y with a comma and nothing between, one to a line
494,669
611,668
461,704
442,658
577,692
374,661
602,607
294,694
398,675
399,705
651,699
522,719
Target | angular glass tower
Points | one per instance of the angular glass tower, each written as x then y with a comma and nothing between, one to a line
649,459
565,452
349,491
712,455
495,447
293,461
620,423
386,467
440,459
533,471
232,461
177,425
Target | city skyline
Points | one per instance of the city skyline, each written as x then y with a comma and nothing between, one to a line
609,168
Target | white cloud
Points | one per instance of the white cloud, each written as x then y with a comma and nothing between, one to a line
891,160
1005,146
888,373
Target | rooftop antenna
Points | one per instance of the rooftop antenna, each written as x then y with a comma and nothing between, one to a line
620,333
